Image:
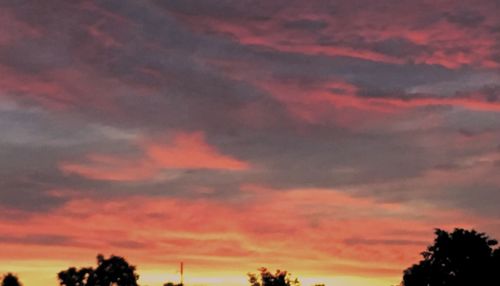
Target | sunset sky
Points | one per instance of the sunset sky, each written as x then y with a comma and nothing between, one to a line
328,138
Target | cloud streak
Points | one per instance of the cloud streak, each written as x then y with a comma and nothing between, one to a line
227,133
187,151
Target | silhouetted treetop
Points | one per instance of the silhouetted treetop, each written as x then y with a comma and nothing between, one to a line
10,280
266,278
173,284
74,277
462,257
114,271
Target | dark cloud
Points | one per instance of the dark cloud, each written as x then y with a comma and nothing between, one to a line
31,180
49,55
29,196
465,18
492,92
223,9
305,24
331,116
100,77
399,47
37,239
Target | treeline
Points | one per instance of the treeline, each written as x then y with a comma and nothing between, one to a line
458,258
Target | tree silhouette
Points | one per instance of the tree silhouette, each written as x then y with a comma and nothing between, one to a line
459,258
266,278
74,277
173,284
10,280
112,271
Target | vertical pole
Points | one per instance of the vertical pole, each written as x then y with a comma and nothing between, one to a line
182,273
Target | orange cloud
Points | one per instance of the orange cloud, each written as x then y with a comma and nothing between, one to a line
317,232
190,151
185,151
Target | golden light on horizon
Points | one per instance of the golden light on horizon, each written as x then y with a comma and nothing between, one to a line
37,272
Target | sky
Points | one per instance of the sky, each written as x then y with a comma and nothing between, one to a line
328,138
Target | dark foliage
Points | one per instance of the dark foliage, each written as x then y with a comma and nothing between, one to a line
10,280
74,277
459,258
112,271
266,278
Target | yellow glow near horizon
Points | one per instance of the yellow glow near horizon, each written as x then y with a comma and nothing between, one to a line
157,279
44,273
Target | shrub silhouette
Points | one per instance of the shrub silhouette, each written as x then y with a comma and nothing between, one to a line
74,277
10,280
112,271
266,278
459,258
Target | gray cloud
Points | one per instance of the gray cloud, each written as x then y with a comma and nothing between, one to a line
305,24
127,70
37,239
465,18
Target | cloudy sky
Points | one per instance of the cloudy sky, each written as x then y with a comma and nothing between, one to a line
328,138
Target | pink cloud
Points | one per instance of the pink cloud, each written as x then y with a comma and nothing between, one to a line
184,151
12,29
330,232
190,151
63,89
111,168
359,33
320,101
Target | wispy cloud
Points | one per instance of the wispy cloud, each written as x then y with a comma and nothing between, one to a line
227,133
